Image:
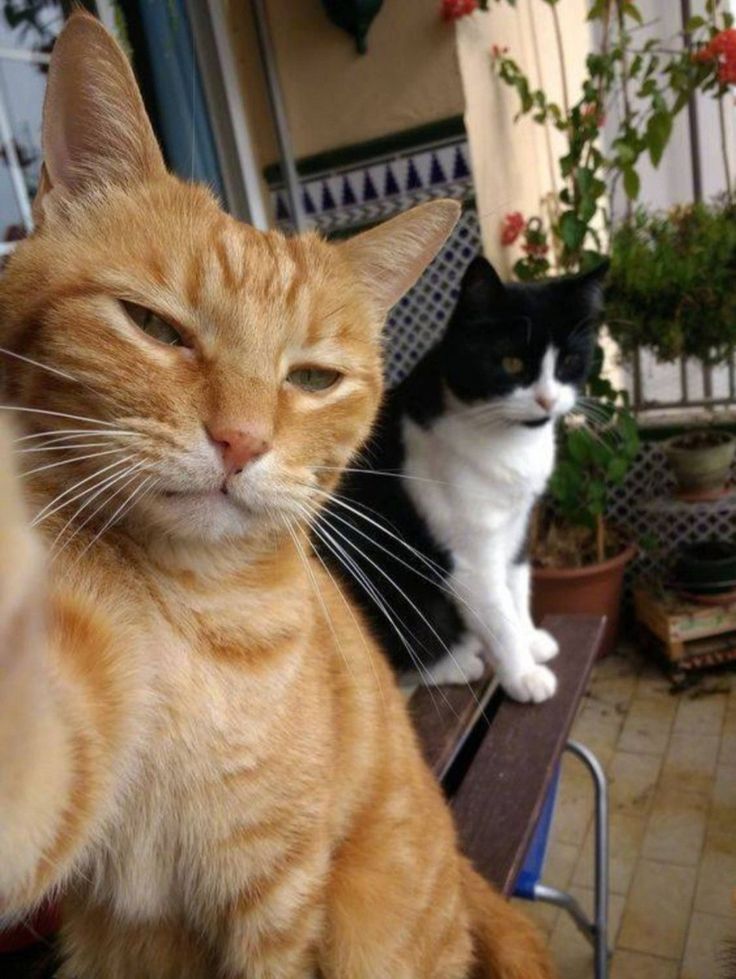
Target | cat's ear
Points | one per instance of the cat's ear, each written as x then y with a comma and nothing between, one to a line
95,128
587,286
481,289
389,259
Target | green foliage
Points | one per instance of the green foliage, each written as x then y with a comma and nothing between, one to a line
672,285
668,288
652,81
594,458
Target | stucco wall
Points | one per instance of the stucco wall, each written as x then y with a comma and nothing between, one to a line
336,97
515,162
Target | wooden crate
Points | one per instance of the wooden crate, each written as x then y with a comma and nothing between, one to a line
691,636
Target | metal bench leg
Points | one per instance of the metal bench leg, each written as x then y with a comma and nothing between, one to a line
595,931
551,895
600,924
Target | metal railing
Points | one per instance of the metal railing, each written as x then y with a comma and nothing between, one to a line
684,384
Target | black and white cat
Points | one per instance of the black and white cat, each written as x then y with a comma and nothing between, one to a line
472,432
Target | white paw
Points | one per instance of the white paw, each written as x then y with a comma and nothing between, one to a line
537,685
543,646
464,664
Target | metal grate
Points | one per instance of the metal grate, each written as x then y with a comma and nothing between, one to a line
685,383
420,318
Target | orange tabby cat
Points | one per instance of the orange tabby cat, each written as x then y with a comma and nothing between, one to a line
200,746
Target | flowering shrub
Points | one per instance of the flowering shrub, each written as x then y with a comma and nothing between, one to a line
652,82
722,50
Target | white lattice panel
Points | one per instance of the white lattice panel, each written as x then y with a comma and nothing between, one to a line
644,505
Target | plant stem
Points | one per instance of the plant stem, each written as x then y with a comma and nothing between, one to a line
724,145
625,88
713,10
600,539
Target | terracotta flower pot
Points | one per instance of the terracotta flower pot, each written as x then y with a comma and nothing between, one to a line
593,589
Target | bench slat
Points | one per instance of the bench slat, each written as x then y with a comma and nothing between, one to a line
443,717
498,803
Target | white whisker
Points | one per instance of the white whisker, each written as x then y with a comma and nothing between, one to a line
125,506
59,433
407,599
389,613
66,462
127,475
54,505
57,414
63,448
37,363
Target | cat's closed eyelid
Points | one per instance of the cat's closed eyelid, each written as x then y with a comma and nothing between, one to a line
156,326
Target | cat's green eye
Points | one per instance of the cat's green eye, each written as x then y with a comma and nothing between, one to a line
512,365
152,324
313,378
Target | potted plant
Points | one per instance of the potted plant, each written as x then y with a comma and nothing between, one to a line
701,461
579,557
672,283
672,290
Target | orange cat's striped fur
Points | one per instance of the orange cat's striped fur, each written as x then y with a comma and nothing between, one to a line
200,746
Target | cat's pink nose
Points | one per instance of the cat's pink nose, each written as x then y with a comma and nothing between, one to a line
545,401
240,446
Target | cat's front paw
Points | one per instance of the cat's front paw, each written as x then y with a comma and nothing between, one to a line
543,646
534,686
464,663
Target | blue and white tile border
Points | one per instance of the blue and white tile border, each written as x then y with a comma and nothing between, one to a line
348,197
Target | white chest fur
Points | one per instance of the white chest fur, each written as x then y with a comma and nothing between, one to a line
468,477
474,485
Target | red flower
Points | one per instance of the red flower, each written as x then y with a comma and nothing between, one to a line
455,9
513,225
722,49
590,110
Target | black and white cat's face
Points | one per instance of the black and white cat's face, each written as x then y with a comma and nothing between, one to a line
525,349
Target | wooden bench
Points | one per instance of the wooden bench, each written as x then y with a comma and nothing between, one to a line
496,760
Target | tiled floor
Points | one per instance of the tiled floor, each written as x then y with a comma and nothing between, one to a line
671,765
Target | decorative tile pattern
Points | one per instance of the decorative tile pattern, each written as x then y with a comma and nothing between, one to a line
344,201
367,192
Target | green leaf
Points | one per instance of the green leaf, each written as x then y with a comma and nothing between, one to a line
617,469
577,446
659,129
625,151
694,23
572,230
632,183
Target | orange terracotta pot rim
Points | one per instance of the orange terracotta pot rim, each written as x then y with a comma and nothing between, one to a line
588,570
